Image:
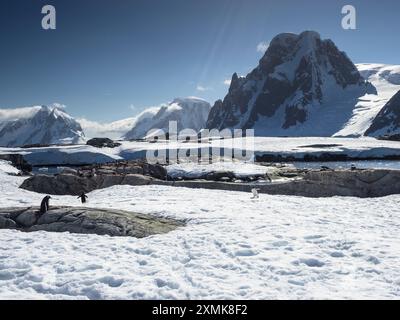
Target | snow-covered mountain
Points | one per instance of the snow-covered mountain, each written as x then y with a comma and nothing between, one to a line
189,113
38,125
303,86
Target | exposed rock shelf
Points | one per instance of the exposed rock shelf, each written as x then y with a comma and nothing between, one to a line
87,221
319,184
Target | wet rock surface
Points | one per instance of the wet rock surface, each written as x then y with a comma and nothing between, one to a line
87,221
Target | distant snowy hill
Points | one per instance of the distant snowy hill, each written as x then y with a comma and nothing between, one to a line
38,125
303,86
112,130
189,113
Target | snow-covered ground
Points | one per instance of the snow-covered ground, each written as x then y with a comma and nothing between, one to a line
275,247
297,147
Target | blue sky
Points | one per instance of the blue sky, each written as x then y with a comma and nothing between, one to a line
108,60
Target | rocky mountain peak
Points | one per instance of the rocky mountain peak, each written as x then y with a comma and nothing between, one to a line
297,76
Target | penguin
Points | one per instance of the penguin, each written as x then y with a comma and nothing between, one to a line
44,206
83,197
255,193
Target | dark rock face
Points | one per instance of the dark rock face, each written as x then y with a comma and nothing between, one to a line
388,137
387,122
294,76
102,143
87,221
68,184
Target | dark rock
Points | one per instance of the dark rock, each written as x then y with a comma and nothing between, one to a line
7,223
394,137
68,184
102,143
220,176
318,184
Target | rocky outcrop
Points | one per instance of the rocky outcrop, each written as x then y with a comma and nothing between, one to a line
318,184
87,221
387,122
102,143
93,177
299,82
390,137
70,184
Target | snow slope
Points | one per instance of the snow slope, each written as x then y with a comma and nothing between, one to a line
276,247
386,79
38,125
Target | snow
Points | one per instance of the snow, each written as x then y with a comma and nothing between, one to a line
7,168
274,247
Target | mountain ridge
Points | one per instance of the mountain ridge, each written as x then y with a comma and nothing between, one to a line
292,90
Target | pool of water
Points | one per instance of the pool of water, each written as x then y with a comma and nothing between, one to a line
367,164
